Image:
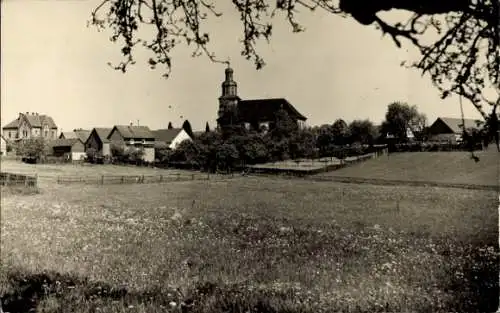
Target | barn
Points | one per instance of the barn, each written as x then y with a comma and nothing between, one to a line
71,148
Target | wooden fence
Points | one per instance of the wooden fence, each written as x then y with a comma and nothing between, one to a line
11,179
301,172
139,179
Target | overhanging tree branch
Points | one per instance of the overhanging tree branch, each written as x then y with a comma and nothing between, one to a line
464,60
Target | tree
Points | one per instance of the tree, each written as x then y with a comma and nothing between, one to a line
189,152
362,131
324,139
170,125
227,156
399,118
464,58
118,152
33,148
207,128
135,155
91,154
340,132
302,144
162,154
187,127
283,126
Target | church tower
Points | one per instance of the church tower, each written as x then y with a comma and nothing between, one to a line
228,101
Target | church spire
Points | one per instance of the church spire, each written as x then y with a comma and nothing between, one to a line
229,86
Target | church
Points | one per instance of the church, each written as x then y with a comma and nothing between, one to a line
257,114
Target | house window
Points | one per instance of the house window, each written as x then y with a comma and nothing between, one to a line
10,135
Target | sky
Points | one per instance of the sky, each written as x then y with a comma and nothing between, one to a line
53,64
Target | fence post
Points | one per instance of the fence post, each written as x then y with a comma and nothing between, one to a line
25,180
161,178
123,179
58,181
192,176
142,179
102,180
208,175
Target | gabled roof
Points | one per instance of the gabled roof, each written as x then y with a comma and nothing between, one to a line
166,135
63,142
160,145
457,125
264,109
40,120
134,132
102,134
12,125
82,134
34,120
67,135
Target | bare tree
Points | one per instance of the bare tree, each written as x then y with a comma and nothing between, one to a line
464,59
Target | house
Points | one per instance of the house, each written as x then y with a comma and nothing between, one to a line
3,145
170,137
72,148
256,113
136,137
30,125
409,134
98,140
81,134
450,129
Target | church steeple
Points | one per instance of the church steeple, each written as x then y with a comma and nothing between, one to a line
229,86
228,101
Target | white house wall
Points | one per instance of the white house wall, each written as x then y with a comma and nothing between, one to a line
3,147
149,154
181,136
106,149
76,156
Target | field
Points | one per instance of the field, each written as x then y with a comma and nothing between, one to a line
248,245
48,173
440,167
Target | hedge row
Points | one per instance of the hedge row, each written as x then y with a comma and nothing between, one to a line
432,146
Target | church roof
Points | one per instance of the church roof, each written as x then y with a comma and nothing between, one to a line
264,109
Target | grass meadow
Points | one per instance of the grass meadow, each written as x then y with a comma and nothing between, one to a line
440,167
48,173
249,244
